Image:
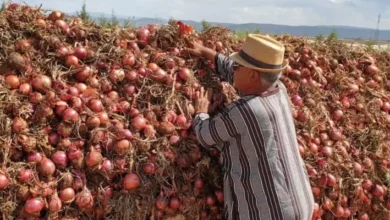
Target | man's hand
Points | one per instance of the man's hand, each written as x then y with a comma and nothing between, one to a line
203,103
194,48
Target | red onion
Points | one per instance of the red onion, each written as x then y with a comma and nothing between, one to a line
67,195
60,159
80,52
138,123
33,206
84,199
70,115
95,105
4,181
12,81
149,168
84,74
185,74
34,157
174,203
199,183
131,181
46,167
25,175
55,204
116,75
41,83
161,203
19,125
93,158
122,147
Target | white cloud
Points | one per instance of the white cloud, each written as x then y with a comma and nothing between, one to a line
291,12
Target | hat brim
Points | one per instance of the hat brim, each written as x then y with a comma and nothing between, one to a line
237,58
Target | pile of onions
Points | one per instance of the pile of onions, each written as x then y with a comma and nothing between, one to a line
95,122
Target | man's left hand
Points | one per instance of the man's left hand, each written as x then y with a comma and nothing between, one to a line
203,103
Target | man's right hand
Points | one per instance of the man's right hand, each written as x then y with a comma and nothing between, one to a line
199,50
194,48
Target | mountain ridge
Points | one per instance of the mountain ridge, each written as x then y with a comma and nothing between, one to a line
343,31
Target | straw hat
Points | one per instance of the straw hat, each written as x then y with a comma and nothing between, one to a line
261,53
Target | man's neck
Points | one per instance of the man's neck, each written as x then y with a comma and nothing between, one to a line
259,91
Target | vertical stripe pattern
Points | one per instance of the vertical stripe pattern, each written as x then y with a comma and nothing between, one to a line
264,177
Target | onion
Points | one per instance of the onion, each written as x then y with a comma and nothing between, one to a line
174,139
84,199
46,167
84,74
25,175
357,168
174,203
313,148
326,151
95,105
128,59
132,76
181,120
143,34
131,181
335,134
337,115
12,81
25,89
199,183
93,158
4,181
367,163
331,180
19,125
371,69
93,122
185,74
34,206
70,115
161,203
55,203
129,90
67,195
41,83
386,106
72,61
122,147
377,190
80,52
34,157
149,168
56,15
297,100
138,123
62,52
117,75
62,25
60,159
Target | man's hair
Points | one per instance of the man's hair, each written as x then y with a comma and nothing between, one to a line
270,77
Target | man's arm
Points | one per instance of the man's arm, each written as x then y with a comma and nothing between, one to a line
212,131
223,64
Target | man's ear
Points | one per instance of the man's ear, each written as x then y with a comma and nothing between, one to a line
254,76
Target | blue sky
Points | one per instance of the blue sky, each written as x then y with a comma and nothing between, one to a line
361,13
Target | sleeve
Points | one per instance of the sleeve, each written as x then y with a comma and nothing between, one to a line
212,131
224,67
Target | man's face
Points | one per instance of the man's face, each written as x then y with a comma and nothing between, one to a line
244,78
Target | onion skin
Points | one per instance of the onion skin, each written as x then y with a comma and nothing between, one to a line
4,181
131,181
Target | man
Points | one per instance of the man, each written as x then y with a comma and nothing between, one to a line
264,177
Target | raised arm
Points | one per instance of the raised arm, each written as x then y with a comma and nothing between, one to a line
223,65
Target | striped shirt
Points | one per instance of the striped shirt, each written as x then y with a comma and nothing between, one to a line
264,174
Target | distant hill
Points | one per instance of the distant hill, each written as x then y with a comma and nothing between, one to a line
344,32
